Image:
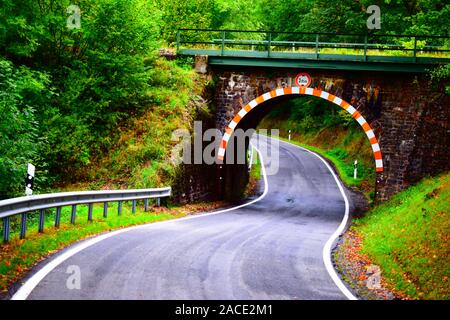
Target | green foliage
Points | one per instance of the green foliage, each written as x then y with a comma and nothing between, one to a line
140,158
21,92
99,74
206,14
184,14
310,114
349,16
441,73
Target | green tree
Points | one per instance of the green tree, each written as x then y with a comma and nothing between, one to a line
21,92
178,14
100,72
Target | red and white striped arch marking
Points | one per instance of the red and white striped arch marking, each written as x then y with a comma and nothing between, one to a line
305,91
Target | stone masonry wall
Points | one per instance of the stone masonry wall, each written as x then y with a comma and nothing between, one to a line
410,117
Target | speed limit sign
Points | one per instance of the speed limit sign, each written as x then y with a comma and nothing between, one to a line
303,80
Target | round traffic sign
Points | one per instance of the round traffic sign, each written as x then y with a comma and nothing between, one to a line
303,80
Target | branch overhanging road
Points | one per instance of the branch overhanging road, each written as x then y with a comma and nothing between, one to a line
269,249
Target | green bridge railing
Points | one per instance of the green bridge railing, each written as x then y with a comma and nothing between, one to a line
317,46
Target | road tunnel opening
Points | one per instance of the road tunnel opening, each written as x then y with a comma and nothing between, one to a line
254,115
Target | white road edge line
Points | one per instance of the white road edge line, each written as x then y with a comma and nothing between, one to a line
326,252
25,290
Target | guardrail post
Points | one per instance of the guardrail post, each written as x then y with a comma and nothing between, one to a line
119,208
23,225
6,224
41,220
223,43
317,46
90,205
269,49
133,206
58,217
73,215
146,205
105,210
58,202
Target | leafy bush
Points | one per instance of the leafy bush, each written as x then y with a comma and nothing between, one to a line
99,75
441,73
21,92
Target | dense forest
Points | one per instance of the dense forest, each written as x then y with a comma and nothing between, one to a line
71,98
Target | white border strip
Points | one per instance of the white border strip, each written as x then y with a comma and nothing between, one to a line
326,252
26,289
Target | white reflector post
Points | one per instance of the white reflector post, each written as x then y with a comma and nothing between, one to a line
29,180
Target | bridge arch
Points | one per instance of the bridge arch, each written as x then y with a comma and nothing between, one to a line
303,91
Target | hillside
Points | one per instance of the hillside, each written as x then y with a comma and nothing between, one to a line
408,238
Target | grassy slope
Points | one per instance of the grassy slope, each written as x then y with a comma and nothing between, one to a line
255,176
409,237
141,156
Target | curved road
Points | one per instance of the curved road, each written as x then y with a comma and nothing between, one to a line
271,249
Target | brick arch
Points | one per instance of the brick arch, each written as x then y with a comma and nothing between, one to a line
303,91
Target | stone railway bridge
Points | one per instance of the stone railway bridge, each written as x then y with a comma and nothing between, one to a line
405,117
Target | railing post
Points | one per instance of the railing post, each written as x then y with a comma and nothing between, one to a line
58,217
90,205
73,215
146,205
415,49
317,46
269,49
23,225
119,208
41,220
105,210
133,206
158,202
223,43
365,47
178,40
6,225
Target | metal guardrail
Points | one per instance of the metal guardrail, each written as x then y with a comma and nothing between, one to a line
270,42
27,204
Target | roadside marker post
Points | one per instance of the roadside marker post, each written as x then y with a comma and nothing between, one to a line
355,170
289,137
29,180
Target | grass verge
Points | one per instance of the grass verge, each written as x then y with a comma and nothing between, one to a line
409,236
254,177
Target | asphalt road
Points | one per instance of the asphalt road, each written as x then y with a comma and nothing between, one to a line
271,249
